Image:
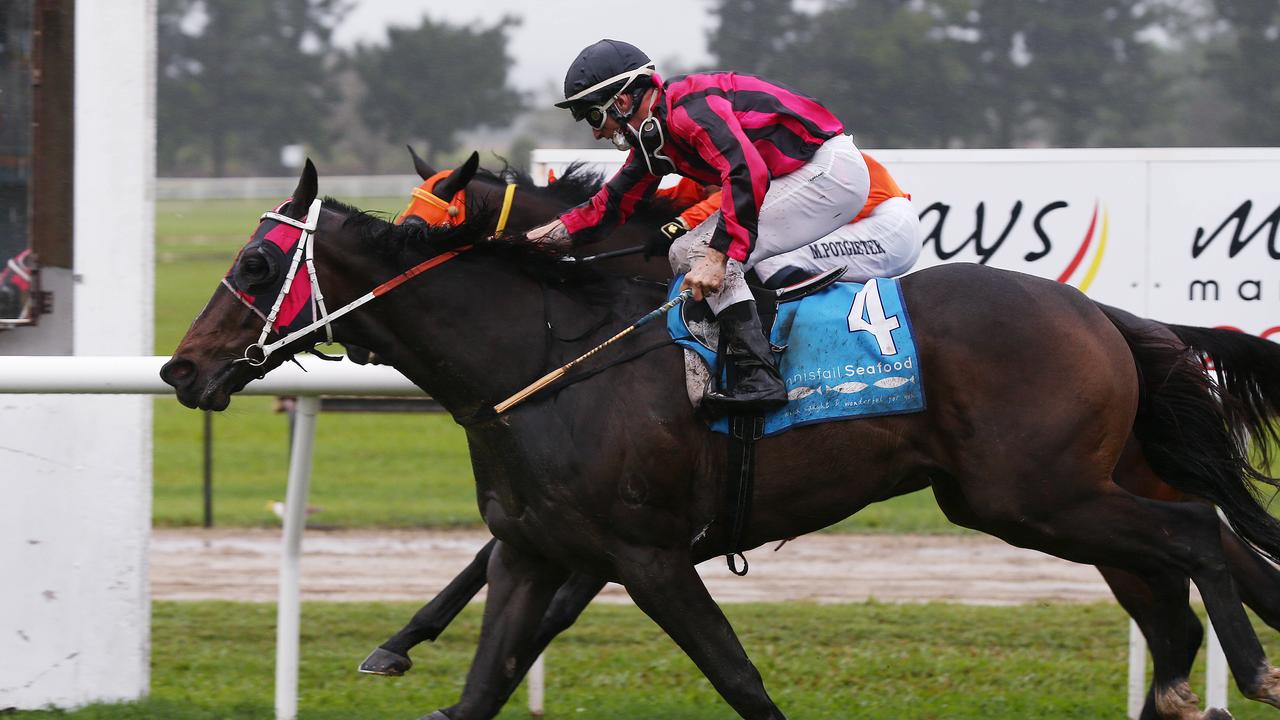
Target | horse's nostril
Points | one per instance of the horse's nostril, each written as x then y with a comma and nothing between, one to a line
177,372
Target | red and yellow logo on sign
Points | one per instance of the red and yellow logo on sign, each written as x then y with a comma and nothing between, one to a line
1083,251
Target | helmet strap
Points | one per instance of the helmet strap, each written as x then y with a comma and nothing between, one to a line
649,139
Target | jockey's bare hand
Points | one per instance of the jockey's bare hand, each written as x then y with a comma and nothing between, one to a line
554,234
707,275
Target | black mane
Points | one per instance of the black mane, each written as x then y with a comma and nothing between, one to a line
576,186
419,241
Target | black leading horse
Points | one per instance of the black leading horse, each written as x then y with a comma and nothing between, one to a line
613,477
1247,367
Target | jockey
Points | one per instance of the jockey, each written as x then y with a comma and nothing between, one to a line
789,175
884,240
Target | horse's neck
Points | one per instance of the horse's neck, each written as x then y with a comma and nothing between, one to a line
474,338
529,207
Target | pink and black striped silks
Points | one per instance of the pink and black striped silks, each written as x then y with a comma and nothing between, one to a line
729,129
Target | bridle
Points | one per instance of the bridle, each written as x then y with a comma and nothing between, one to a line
257,353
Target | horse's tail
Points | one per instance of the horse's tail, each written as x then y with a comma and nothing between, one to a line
1248,369
1188,428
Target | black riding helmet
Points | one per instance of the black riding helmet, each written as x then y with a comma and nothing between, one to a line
599,74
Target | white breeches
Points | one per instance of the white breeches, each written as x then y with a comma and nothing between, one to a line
799,208
886,243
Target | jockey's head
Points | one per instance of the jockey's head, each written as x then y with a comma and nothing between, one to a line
604,86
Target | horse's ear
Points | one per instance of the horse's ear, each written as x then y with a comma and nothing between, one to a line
458,179
424,170
305,193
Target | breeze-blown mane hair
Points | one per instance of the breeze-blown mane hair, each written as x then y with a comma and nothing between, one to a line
576,186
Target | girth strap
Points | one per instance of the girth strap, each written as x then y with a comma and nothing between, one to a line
744,431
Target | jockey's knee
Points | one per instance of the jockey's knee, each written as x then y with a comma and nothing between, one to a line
682,253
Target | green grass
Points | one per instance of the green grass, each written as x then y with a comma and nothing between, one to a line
370,469
214,660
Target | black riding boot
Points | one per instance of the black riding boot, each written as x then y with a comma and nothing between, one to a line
758,387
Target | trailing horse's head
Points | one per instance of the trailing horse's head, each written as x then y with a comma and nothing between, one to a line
269,292
441,198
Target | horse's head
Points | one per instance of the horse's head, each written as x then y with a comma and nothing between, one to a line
309,265
444,196
270,292
441,199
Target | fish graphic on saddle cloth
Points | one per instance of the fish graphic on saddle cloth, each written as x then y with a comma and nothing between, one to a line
849,353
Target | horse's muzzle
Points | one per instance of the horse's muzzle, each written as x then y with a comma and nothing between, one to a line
183,375
178,372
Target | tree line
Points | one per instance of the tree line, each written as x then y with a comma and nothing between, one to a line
236,81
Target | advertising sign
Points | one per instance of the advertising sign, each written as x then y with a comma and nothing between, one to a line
1181,235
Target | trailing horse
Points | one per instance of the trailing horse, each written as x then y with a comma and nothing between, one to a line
614,478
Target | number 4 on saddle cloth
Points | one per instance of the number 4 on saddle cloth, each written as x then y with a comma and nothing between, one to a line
849,353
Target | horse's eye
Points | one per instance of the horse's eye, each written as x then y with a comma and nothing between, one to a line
256,272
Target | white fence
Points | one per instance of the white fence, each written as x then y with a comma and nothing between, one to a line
141,376
253,188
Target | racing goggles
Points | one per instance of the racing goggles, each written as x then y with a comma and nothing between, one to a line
595,115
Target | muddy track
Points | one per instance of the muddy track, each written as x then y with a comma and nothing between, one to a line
364,565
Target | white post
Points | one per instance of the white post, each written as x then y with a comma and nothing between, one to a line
295,520
537,686
1137,670
1215,672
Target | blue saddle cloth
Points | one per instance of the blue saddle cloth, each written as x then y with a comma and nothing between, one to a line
849,353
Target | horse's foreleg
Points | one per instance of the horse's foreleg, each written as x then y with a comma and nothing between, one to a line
569,602
521,588
667,588
392,656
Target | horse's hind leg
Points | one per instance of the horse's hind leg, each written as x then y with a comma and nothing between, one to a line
668,589
1105,525
1257,579
392,656
521,589
1173,634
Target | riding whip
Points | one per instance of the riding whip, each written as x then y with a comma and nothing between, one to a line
636,250
558,373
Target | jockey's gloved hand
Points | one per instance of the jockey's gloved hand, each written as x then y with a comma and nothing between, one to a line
659,244
553,233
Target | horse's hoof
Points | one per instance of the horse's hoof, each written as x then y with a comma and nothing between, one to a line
385,662
437,715
1268,687
1217,714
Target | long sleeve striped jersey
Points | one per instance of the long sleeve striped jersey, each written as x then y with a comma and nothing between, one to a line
735,130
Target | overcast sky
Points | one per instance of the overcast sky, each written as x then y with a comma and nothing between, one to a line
552,32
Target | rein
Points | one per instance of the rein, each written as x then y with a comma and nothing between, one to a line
257,353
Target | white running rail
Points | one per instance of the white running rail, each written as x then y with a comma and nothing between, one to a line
103,375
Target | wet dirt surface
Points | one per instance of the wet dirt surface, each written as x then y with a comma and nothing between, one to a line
368,565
